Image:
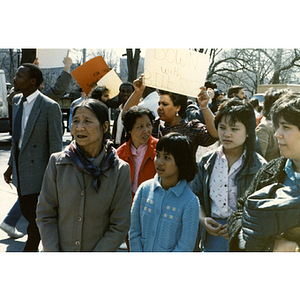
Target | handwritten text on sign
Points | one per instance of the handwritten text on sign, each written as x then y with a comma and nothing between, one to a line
176,70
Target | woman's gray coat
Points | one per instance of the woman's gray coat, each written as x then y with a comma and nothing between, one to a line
72,216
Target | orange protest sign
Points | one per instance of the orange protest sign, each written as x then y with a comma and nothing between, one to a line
89,73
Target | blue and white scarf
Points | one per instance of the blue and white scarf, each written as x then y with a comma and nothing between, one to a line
83,164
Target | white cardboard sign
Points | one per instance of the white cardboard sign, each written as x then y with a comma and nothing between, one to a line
112,82
51,58
179,71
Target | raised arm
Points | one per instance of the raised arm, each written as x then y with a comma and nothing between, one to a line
209,117
136,96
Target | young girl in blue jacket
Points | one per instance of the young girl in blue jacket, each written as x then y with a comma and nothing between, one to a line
225,174
165,213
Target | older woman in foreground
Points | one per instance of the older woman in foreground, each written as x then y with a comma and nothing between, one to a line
86,194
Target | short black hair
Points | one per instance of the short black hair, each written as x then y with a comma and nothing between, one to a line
239,111
270,96
179,146
97,92
287,107
34,72
177,100
130,116
126,83
254,102
234,90
209,84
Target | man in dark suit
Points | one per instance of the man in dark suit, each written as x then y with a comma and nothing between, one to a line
35,138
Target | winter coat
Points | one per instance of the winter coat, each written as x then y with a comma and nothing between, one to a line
273,172
72,216
200,184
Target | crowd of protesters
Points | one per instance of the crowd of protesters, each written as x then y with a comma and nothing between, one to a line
140,183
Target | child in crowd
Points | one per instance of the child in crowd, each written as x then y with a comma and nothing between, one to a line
165,213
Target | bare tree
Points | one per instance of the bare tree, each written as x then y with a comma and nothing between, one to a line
9,62
251,67
132,63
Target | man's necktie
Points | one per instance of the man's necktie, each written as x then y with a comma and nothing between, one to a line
17,123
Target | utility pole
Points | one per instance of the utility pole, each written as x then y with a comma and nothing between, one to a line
83,56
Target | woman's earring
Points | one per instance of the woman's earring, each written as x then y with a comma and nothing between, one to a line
177,114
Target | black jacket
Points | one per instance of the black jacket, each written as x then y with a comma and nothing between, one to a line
273,172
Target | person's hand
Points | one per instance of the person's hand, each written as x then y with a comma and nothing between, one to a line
8,175
203,97
36,62
224,232
139,84
212,226
67,62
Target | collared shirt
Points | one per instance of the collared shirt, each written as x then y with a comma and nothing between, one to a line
222,185
138,156
291,174
27,107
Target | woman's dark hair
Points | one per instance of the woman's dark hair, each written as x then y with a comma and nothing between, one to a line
288,108
97,91
34,72
217,94
132,114
98,108
234,90
177,100
270,97
239,111
179,146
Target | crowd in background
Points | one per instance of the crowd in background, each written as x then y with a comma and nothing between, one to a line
138,184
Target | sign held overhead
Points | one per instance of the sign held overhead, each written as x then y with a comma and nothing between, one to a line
88,74
179,71
51,58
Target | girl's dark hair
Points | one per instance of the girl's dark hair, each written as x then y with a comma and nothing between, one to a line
179,146
239,111
132,114
287,107
177,100
98,108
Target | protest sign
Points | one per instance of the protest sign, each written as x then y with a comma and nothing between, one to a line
179,71
89,73
112,82
51,58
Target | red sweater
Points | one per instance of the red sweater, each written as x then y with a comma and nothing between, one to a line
147,169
